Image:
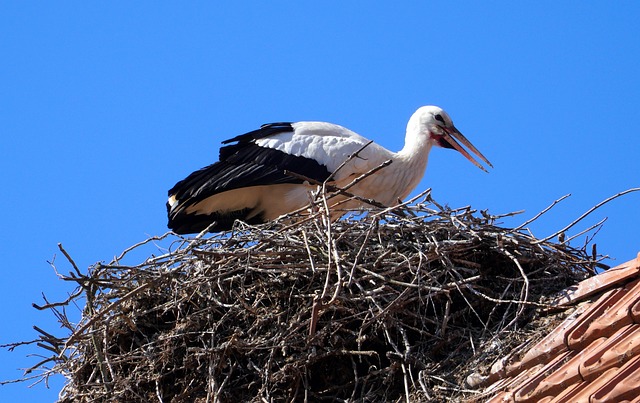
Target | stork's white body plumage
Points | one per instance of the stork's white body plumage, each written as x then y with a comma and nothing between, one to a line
253,181
332,145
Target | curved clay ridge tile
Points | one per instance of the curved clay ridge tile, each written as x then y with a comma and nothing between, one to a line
619,348
613,314
563,375
601,282
582,392
623,387
580,336
547,348
533,389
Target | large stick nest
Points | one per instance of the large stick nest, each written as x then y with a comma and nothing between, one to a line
401,303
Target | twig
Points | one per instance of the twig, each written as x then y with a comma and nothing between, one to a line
586,230
137,245
73,264
345,162
366,175
535,217
591,210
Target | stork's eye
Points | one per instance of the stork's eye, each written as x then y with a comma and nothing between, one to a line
439,118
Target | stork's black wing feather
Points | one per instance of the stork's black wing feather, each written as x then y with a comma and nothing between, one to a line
246,164
266,130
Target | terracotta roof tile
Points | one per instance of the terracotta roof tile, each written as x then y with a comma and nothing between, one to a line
582,392
530,390
546,348
592,356
570,393
599,283
502,397
523,377
586,329
565,375
624,386
635,312
619,348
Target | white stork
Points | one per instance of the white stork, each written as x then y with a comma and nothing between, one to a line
253,180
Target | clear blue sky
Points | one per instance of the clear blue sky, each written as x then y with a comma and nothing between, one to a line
103,107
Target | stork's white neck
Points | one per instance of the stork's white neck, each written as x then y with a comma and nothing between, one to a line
417,143
414,155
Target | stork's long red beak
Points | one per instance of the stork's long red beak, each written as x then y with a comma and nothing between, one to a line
448,140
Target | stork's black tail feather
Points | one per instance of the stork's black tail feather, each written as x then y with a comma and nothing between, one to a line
182,223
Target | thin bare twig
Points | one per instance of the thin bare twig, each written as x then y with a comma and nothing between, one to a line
591,210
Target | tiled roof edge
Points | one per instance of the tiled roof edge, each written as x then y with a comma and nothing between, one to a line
598,283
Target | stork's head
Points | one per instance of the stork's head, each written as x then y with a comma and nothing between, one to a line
436,124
